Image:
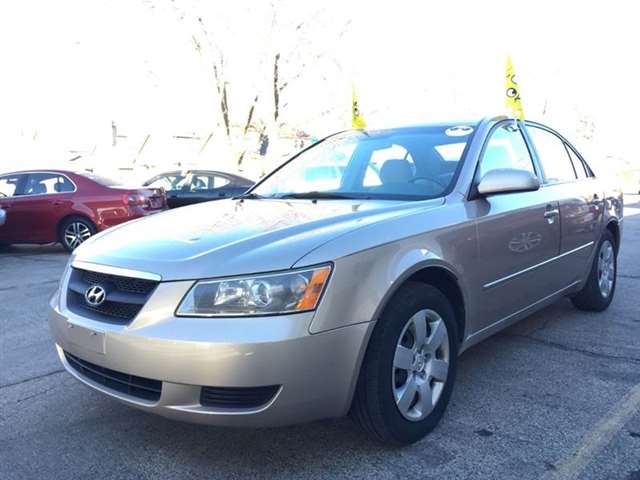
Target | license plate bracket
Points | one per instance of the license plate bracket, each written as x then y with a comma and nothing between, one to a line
86,338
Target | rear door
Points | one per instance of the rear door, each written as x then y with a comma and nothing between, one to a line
223,188
569,181
44,200
10,187
518,233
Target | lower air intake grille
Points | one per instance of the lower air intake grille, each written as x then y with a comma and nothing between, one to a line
237,397
139,387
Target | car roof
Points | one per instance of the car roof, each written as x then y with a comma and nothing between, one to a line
205,172
41,170
436,124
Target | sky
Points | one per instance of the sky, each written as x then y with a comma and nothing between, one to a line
71,67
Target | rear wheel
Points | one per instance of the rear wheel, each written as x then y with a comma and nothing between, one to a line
409,369
74,231
597,293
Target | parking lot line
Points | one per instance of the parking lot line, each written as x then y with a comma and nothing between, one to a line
598,438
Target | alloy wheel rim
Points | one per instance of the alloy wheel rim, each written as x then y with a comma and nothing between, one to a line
606,268
75,234
420,365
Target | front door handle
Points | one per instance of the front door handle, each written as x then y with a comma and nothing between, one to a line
551,215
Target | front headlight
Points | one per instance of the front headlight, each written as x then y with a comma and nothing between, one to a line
290,292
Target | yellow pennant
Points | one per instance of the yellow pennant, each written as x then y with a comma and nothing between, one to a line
357,120
512,91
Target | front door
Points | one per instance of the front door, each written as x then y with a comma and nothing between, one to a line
518,234
10,187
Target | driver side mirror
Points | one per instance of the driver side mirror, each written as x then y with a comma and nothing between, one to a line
507,180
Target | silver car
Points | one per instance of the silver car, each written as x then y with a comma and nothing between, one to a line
348,292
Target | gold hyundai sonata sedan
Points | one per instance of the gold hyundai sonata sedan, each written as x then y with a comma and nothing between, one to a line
347,281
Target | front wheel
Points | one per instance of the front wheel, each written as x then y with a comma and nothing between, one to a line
597,293
409,369
74,231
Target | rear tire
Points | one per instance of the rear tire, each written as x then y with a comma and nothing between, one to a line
597,293
404,388
74,231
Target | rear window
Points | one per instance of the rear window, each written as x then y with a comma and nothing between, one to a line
102,180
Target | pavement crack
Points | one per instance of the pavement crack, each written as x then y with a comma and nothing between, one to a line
34,284
633,277
26,380
568,348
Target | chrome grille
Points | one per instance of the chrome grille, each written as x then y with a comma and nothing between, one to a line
125,296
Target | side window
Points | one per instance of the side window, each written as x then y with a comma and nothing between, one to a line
168,182
63,185
578,165
553,156
506,149
45,183
201,182
9,185
219,182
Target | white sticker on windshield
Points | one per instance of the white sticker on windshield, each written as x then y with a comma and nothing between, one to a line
458,131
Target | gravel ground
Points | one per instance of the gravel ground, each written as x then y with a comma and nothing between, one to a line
555,396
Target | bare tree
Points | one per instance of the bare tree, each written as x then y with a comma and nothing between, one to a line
256,63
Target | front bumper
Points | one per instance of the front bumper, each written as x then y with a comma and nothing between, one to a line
316,372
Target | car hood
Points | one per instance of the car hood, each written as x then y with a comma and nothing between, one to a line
232,237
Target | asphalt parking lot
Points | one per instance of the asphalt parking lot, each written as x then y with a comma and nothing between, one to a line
555,396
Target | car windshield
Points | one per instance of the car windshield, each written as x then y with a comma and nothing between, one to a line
404,164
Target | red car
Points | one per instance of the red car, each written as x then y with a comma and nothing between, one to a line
44,206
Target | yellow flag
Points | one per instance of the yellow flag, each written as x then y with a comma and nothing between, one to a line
357,120
512,91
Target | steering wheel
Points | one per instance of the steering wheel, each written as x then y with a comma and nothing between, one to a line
415,179
2,194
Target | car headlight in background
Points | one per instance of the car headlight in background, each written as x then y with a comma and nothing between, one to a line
290,292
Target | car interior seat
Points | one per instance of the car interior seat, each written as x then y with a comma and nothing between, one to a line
396,171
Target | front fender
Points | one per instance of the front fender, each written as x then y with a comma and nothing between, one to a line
362,284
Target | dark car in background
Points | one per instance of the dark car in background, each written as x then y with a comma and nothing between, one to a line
44,206
196,186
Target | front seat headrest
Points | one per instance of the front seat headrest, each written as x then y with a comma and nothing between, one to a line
396,171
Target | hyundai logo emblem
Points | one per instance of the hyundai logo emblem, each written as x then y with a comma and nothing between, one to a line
95,295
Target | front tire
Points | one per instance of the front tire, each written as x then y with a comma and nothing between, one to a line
597,293
409,368
75,231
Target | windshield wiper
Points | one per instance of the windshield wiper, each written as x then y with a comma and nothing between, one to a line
318,195
247,196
